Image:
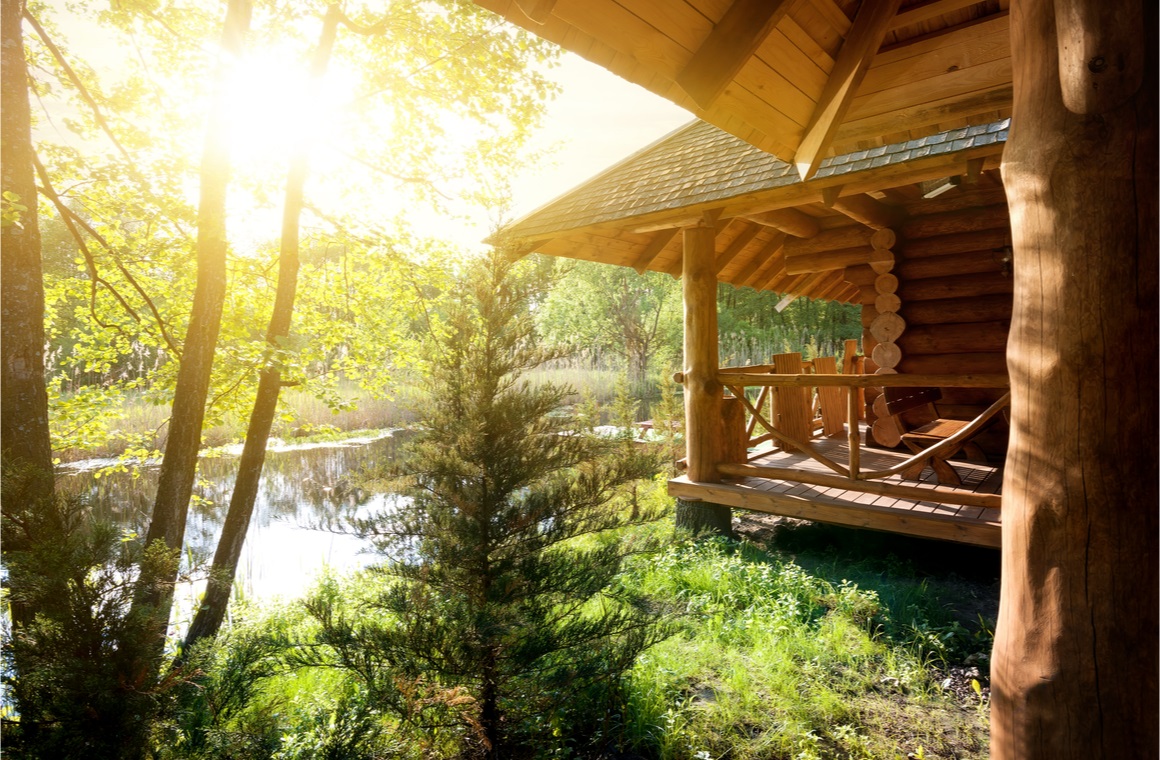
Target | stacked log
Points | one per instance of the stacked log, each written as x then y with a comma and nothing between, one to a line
886,328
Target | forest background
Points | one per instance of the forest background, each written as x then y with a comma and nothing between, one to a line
398,137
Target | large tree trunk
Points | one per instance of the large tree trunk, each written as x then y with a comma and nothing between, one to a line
212,610
1075,662
25,450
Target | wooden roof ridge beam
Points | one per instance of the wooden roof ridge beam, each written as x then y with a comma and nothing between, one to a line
788,220
653,249
862,208
738,244
733,41
865,37
537,10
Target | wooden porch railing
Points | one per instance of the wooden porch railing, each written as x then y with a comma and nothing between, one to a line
851,477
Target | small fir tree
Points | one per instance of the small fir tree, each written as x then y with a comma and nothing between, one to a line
502,614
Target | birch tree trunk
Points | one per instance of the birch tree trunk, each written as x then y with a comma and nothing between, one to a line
1075,662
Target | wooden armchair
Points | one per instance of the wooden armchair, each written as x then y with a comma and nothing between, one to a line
899,400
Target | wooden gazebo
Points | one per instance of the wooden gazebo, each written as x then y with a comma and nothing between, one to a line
932,275
1075,665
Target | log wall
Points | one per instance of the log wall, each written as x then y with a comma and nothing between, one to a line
955,296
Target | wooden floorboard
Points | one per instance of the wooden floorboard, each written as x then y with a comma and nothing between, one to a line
916,517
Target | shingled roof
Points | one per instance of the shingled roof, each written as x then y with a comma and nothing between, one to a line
631,214
699,163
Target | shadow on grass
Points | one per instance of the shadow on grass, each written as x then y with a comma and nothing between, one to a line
945,582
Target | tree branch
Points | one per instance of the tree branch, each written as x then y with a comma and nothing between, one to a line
71,219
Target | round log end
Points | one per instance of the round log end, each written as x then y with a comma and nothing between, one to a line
887,302
881,261
885,284
887,355
883,238
887,328
886,433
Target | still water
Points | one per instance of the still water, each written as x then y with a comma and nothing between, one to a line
306,492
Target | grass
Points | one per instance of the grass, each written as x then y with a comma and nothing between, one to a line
776,661
797,642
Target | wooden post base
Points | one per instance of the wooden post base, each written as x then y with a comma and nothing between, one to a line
704,518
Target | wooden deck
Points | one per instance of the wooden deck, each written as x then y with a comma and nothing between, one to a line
929,519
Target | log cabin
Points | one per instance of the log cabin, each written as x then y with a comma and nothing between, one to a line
861,231
1075,665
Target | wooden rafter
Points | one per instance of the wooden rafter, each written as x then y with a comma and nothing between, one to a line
653,249
763,257
920,12
869,211
536,10
865,37
738,244
788,220
733,41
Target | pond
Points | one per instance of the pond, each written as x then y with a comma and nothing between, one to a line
304,489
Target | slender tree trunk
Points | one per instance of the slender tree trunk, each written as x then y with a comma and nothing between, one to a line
1075,663
212,610
179,464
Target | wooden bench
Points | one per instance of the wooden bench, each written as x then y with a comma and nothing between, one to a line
899,400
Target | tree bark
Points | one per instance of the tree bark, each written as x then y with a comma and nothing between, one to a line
211,612
1075,663
703,517
179,465
25,447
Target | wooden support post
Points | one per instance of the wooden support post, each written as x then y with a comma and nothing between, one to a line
853,434
1074,672
703,392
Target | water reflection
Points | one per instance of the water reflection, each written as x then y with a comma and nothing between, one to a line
303,490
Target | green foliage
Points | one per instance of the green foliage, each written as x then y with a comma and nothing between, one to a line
497,623
437,99
66,665
599,307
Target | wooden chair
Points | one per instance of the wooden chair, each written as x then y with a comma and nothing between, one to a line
899,400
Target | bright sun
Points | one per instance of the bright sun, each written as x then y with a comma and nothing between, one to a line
273,104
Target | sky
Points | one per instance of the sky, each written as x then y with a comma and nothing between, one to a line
596,120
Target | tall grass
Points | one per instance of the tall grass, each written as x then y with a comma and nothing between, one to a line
141,424
777,662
